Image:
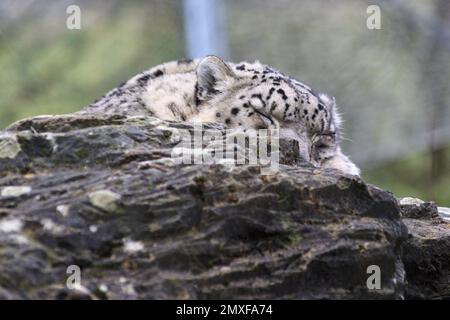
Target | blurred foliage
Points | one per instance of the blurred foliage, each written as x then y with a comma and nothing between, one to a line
409,177
49,69
376,76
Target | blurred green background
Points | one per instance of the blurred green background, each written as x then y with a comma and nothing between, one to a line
392,84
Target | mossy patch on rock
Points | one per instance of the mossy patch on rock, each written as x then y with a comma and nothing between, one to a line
9,147
105,200
15,191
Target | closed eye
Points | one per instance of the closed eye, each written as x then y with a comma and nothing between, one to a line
328,134
263,115
324,140
321,145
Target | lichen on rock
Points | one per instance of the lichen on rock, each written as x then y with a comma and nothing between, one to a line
9,147
105,200
15,191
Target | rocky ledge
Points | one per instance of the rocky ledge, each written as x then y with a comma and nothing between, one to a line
102,195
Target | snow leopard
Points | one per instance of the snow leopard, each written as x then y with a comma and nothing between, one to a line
242,95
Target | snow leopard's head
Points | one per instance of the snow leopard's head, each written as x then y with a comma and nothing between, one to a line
256,95
253,95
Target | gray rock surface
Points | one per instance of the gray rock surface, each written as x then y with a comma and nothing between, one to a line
104,194
426,253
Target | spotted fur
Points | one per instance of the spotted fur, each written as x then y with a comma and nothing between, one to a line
248,95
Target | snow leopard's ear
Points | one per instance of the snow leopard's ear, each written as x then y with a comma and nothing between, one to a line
213,76
328,101
330,104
